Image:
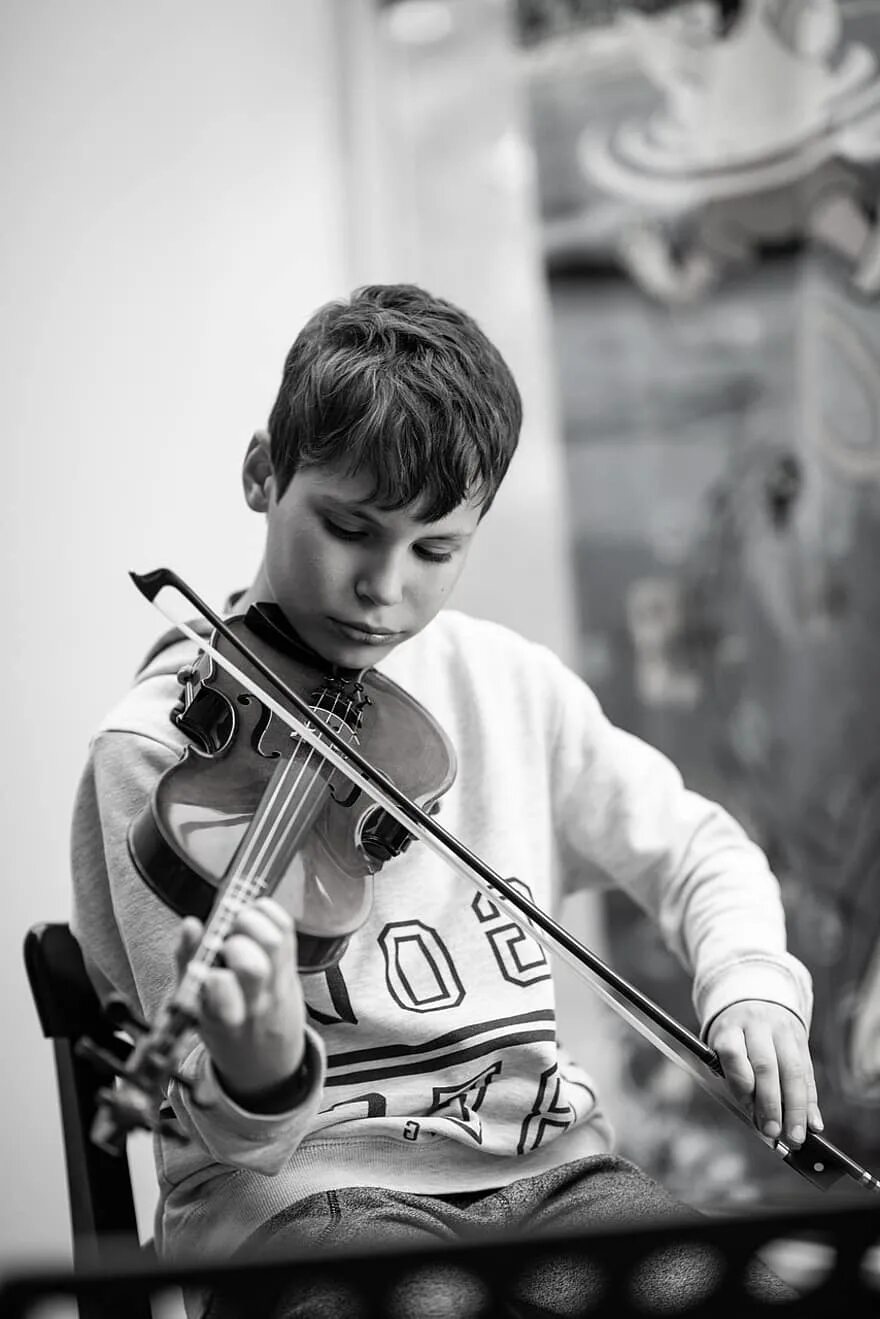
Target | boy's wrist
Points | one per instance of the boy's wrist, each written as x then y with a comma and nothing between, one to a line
278,1097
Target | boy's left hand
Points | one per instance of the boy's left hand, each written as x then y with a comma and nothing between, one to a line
765,1054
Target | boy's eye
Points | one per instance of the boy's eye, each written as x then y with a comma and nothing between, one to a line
342,533
433,555
430,553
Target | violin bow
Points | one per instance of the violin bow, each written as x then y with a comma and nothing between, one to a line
817,1160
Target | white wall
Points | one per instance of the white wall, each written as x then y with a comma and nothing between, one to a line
171,213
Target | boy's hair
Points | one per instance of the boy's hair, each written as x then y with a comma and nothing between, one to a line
405,387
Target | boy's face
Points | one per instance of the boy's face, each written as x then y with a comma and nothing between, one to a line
353,579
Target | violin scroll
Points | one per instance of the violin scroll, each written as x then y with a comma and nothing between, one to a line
141,1070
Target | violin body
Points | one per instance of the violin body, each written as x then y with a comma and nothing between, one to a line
321,856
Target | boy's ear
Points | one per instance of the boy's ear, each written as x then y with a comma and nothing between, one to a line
257,475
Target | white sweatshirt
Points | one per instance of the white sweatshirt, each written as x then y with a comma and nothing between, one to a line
436,1058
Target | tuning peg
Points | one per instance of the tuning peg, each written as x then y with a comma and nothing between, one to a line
121,1016
119,1111
86,1048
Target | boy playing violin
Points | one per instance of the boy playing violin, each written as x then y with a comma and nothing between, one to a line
416,1093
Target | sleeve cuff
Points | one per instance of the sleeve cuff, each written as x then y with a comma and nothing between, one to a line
785,982
312,1067
262,1141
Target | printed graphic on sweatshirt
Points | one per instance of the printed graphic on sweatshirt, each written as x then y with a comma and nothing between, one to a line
481,1102
461,1103
330,989
551,1113
419,970
520,958
421,974
390,1062
368,1105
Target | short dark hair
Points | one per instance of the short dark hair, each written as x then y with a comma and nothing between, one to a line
405,387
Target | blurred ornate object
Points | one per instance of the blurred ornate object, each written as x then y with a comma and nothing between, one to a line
756,127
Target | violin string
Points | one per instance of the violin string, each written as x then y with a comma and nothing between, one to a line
284,827
247,881
272,831
253,866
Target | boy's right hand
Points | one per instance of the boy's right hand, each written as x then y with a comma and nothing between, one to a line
253,1016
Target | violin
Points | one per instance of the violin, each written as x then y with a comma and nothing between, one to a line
249,805
145,1075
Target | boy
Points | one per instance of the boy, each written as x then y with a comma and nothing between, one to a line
416,1092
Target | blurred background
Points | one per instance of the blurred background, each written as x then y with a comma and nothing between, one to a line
665,215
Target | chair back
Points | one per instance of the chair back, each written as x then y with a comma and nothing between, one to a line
102,1210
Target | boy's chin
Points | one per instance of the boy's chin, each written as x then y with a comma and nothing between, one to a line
350,653
359,657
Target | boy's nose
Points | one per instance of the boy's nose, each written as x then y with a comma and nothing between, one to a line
381,583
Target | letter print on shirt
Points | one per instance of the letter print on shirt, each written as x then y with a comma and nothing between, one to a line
450,1100
419,970
330,989
369,1105
547,1112
520,958
382,1064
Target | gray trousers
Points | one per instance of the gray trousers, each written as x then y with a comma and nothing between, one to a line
600,1192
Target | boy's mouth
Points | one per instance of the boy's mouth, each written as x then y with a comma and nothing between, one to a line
365,635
